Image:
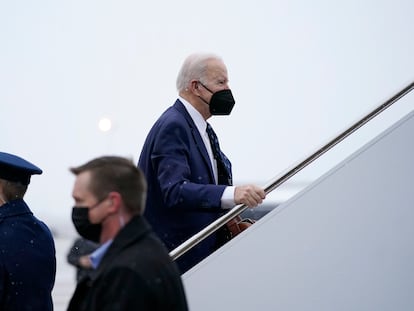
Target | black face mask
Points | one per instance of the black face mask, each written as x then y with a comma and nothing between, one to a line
80,219
221,102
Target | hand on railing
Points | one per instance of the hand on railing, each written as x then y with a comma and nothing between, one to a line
249,195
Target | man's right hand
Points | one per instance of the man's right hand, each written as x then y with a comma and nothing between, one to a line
249,195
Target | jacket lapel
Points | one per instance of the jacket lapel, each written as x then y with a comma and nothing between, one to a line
198,141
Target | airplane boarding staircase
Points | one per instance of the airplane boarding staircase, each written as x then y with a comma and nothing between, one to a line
344,242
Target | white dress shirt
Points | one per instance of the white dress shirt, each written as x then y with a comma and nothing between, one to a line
227,199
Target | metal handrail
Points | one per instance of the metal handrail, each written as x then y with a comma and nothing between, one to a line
277,181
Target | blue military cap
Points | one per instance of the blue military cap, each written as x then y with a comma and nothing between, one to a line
16,169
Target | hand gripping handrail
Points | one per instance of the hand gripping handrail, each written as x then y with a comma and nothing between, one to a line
280,179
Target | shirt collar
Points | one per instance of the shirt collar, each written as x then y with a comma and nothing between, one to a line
97,255
195,115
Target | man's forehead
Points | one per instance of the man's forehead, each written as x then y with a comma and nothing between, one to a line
217,72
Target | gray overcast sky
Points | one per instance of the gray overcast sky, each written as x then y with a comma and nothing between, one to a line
301,71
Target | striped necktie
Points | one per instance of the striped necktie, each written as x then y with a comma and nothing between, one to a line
223,164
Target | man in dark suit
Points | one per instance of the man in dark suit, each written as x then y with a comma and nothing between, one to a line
27,256
133,270
189,177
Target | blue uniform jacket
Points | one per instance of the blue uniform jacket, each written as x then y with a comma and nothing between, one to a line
27,260
182,195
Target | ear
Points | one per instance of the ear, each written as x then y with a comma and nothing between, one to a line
195,88
114,201
194,85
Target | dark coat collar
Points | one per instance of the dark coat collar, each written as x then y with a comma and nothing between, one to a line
134,230
14,208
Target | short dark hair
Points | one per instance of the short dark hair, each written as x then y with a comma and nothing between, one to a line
113,173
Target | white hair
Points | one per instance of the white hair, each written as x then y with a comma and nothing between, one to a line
194,67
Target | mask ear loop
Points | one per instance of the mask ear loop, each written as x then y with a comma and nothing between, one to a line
196,87
205,87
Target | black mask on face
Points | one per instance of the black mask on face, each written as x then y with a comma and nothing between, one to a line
221,102
80,219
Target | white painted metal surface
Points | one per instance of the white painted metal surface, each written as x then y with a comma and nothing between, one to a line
343,243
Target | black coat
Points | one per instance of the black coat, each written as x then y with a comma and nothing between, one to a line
136,273
27,260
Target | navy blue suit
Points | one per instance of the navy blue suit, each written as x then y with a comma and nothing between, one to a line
182,195
27,259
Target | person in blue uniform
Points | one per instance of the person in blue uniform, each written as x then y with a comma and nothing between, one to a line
27,249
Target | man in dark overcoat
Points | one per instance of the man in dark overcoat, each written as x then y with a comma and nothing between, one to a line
133,270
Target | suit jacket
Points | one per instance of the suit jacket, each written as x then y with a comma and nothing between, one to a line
182,195
27,259
136,273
